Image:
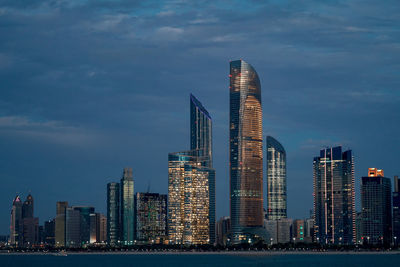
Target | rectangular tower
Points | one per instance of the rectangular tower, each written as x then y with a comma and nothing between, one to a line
60,223
127,207
334,202
113,213
396,211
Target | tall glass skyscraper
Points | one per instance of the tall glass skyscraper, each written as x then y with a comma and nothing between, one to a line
16,226
396,211
376,209
276,180
191,184
113,214
127,207
246,153
334,202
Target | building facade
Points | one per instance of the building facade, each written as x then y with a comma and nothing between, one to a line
189,183
151,217
276,180
246,153
376,209
72,228
396,211
222,230
334,198
16,226
61,207
113,213
127,208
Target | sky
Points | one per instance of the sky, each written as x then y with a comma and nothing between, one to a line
90,87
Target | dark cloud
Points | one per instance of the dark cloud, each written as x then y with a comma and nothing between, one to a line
89,87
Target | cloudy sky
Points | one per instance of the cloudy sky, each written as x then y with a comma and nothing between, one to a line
89,87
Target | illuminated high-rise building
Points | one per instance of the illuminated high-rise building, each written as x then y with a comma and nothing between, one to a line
16,226
276,180
151,217
189,183
127,207
84,222
396,211
246,153
113,213
376,208
60,223
334,201
30,223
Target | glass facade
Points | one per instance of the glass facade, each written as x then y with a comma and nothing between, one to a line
72,228
60,223
127,208
276,180
113,216
246,154
189,183
334,202
396,211
84,223
376,210
16,226
151,217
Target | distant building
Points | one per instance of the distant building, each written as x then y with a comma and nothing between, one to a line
276,180
299,230
334,197
396,211
359,228
30,223
151,217
222,230
278,231
84,222
113,213
60,223
101,228
245,154
309,231
189,198
271,228
376,208
72,228
49,232
16,226
127,207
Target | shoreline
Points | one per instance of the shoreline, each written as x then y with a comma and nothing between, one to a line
233,253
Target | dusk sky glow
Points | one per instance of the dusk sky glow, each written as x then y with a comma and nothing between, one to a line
90,87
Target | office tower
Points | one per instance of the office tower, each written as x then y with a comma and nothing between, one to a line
284,230
299,230
16,226
101,228
376,208
200,129
49,232
396,211
246,154
72,227
271,229
151,217
276,180
222,230
309,228
358,228
30,224
60,223
127,207
334,202
84,222
201,140
113,213
93,228
189,183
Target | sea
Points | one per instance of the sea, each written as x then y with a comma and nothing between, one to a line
193,260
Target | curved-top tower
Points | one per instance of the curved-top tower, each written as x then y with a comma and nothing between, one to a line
246,155
276,180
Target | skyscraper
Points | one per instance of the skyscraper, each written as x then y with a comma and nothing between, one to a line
334,202
276,180
127,207
16,226
396,211
72,227
151,217
113,214
84,223
376,208
191,184
60,223
30,223
246,154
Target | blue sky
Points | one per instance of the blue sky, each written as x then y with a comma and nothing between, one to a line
89,87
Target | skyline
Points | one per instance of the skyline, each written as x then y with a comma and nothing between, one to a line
73,123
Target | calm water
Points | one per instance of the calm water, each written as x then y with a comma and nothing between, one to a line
201,260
